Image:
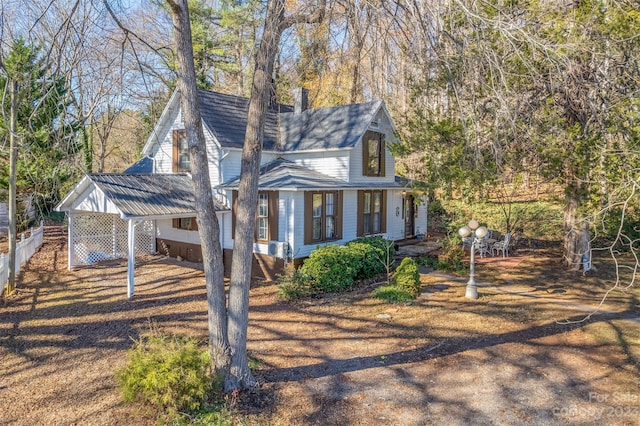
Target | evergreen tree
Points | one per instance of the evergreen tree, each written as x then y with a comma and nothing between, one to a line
46,137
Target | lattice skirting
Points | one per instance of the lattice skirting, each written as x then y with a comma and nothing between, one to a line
97,237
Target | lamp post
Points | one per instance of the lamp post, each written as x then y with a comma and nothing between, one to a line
474,230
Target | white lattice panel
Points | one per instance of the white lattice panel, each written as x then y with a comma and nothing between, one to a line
99,237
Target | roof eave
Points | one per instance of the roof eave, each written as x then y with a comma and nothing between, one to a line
78,189
153,137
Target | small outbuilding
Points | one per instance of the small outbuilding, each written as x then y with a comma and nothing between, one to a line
113,216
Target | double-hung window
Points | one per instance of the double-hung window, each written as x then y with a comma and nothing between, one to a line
322,216
262,220
266,224
371,212
181,160
373,151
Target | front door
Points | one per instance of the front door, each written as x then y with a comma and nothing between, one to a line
409,216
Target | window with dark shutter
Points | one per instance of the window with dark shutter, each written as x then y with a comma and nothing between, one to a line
322,219
181,160
373,154
266,225
372,212
186,223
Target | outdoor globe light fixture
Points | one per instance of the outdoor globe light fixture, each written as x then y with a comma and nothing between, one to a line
476,232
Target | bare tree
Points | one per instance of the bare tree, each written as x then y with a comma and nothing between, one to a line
208,226
228,351
262,91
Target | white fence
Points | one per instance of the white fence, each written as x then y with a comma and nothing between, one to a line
25,248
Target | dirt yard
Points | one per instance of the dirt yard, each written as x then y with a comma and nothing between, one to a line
508,358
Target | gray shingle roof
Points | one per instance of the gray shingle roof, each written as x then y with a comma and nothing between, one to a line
284,175
143,165
326,128
322,128
138,195
226,117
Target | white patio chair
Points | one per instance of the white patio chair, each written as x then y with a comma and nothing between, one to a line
501,246
481,246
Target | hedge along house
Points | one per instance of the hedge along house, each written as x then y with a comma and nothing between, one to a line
327,177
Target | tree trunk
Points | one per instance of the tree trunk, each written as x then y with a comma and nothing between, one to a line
576,231
13,156
208,227
261,92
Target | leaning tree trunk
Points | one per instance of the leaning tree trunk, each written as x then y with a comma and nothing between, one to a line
208,227
576,230
13,157
261,91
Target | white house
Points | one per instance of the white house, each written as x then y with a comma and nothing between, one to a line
327,177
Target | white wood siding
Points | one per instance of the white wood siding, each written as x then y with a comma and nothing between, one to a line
162,151
93,199
232,161
331,163
422,219
356,167
225,229
165,230
395,223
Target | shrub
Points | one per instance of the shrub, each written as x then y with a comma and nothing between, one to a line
293,284
451,260
387,246
407,277
330,268
170,372
369,260
393,293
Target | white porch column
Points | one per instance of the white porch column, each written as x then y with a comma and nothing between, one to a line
154,230
70,243
131,255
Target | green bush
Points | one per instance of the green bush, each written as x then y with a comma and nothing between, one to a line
369,260
170,372
387,246
334,268
330,268
452,261
407,277
293,284
393,293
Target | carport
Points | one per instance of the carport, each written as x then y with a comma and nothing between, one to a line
113,216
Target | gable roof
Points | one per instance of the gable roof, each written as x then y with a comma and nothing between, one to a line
142,166
226,117
326,128
285,175
139,195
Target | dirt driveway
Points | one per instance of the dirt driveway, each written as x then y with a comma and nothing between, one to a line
339,360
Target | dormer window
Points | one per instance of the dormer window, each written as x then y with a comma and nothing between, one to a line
181,160
373,154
